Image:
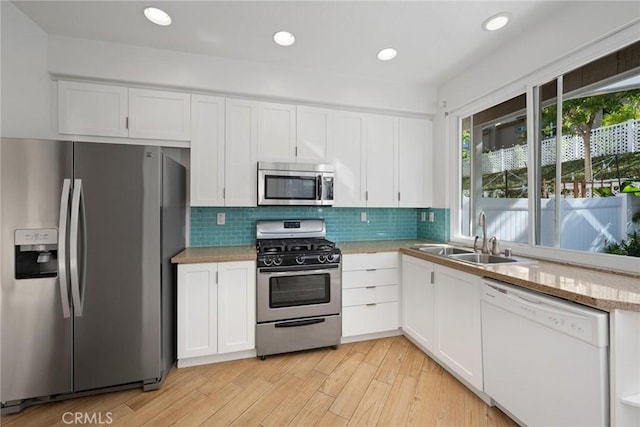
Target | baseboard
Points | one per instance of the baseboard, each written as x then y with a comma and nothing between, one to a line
374,336
215,358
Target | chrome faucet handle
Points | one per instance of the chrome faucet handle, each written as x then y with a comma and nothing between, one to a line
475,244
495,247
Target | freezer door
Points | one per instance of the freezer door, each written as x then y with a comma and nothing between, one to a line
36,337
117,334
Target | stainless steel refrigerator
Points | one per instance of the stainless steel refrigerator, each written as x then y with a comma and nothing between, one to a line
88,291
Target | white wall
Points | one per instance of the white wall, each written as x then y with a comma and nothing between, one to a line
113,61
31,59
26,85
561,42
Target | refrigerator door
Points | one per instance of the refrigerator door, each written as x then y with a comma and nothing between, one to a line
173,240
36,337
117,334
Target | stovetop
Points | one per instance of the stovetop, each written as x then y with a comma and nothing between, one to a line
295,243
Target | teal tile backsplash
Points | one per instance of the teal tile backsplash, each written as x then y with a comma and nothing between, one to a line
343,224
439,229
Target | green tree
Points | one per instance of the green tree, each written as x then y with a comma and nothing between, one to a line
579,116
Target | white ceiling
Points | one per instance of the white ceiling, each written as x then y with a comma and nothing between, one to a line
435,39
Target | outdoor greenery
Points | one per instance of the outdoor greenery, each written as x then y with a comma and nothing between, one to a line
579,117
627,166
629,247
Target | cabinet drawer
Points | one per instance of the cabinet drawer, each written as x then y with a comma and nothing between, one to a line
368,319
370,294
373,277
352,262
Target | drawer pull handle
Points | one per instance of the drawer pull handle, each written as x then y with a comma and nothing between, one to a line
371,305
371,269
370,287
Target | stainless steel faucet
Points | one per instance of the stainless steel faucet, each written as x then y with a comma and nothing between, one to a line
482,220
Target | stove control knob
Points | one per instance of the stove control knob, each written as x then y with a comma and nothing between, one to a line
322,259
267,261
277,261
332,257
300,259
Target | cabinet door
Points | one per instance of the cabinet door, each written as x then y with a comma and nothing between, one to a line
241,153
197,310
348,145
417,300
458,329
276,132
236,306
92,109
313,133
382,161
414,162
155,114
207,151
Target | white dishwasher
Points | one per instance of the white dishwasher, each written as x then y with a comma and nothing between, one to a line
545,359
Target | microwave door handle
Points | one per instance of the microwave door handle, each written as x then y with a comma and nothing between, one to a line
319,187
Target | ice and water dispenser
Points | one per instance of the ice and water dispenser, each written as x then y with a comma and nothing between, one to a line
36,253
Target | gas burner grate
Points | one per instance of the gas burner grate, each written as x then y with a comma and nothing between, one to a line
294,245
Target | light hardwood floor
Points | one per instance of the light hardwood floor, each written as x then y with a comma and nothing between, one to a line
385,382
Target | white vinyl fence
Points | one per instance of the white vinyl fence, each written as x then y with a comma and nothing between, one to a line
605,140
587,224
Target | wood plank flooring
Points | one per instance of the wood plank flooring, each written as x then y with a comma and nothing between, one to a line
385,382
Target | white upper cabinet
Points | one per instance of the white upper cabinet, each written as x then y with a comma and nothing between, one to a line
382,161
415,145
348,145
116,111
241,153
92,109
313,134
223,151
155,114
276,132
207,150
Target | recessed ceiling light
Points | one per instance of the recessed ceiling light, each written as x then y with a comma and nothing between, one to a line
387,54
157,16
496,21
284,38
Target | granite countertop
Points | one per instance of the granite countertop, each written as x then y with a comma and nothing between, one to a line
215,254
594,288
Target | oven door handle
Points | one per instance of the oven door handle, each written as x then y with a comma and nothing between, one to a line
296,323
296,272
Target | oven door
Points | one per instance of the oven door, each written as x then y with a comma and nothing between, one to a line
294,294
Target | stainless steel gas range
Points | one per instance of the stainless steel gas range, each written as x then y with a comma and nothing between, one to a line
299,287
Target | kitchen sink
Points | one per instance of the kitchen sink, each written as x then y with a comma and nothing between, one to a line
477,258
445,250
466,254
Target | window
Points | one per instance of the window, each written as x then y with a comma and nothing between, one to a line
494,171
589,172
583,160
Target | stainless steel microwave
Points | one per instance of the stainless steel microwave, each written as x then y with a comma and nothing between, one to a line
295,184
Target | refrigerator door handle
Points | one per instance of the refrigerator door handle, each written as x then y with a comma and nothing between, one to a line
62,248
77,265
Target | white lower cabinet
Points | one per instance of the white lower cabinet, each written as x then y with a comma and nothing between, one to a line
216,308
418,300
458,332
370,293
